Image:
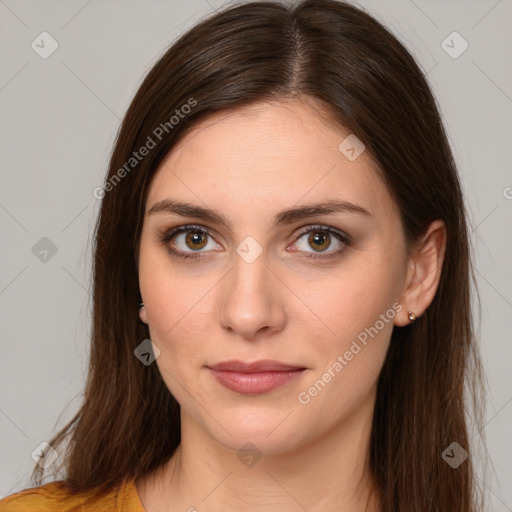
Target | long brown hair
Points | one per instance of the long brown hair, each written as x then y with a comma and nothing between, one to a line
335,53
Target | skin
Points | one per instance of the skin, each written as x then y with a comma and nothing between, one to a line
249,164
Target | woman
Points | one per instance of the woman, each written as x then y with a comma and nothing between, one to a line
281,283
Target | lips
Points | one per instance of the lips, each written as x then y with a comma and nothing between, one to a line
266,365
254,377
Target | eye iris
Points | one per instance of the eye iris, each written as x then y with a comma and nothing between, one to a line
193,239
319,239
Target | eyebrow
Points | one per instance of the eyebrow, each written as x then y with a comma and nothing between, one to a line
287,216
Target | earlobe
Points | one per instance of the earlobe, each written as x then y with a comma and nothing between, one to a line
142,313
424,273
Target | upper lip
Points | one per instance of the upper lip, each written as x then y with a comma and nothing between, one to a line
264,365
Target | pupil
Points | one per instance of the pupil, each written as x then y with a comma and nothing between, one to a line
319,239
195,237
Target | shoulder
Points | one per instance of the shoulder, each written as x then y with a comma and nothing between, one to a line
35,498
53,497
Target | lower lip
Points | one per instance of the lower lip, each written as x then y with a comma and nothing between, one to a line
254,383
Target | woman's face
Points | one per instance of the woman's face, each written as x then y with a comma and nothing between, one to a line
251,288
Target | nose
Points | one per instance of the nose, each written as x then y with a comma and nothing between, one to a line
252,300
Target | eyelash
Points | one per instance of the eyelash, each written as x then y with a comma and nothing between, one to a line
169,235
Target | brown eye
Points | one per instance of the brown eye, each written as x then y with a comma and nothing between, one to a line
189,242
319,240
196,240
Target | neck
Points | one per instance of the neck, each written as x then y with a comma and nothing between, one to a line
330,473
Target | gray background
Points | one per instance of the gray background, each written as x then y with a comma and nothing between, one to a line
59,119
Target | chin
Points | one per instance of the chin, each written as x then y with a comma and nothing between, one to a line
265,430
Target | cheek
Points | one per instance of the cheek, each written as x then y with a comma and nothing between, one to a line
177,321
173,293
357,308
175,328
349,350
351,300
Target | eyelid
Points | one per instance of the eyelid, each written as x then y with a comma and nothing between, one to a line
177,230
342,237
329,229
169,234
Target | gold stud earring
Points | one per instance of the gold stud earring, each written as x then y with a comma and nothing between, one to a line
411,315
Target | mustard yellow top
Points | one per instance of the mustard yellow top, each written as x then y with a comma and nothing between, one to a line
51,498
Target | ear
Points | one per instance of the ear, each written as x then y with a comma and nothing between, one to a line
143,315
423,273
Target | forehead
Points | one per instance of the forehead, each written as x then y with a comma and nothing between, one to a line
270,153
